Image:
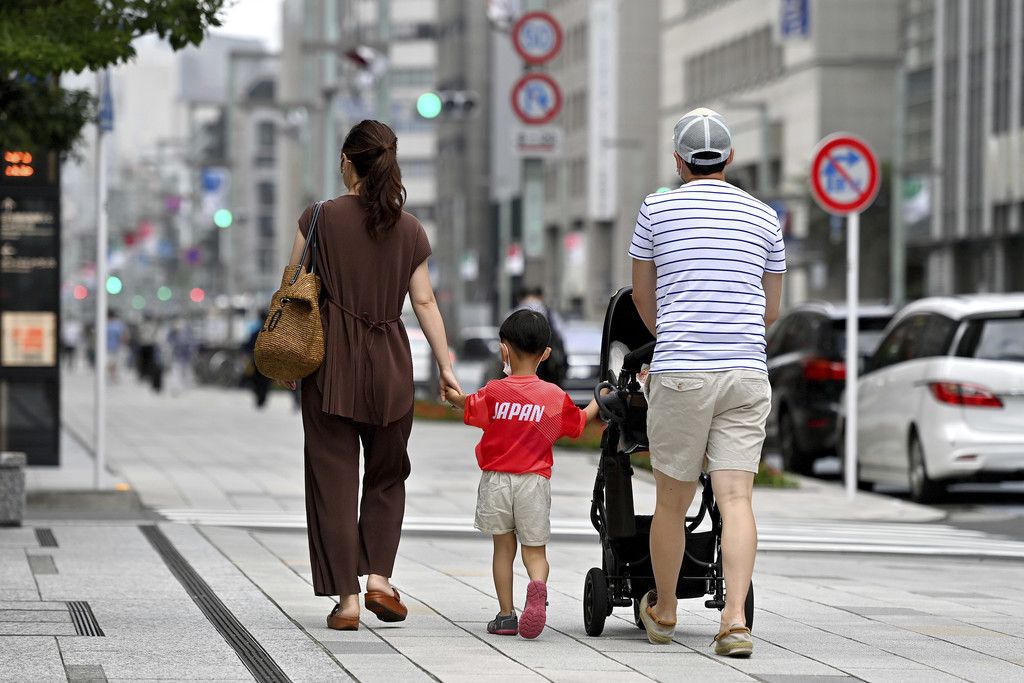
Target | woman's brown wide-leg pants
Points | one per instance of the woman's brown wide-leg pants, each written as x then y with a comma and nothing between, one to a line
349,538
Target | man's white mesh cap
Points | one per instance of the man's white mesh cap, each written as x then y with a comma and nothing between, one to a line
702,130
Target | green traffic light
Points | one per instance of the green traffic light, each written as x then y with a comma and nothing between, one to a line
428,105
138,302
222,218
663,190
114,285
164,293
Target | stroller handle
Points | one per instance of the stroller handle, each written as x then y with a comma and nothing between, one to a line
609,405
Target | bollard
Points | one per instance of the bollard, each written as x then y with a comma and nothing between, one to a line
12,488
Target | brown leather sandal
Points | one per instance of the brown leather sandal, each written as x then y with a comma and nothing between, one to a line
339,623
388,608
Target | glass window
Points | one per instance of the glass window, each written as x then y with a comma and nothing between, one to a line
994,339
869,334
896,346
265,193
936,338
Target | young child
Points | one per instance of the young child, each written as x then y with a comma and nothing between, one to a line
522,416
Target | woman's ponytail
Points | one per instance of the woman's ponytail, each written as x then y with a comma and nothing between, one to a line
372,148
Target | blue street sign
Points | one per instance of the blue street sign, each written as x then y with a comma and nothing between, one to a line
794,19
106,110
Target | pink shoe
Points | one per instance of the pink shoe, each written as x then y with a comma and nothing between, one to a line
535,614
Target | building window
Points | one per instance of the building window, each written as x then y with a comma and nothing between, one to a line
265,194
417,168
749,60
265,225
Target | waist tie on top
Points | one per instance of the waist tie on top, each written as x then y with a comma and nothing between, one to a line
375,328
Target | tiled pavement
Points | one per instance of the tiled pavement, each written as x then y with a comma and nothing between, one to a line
819,616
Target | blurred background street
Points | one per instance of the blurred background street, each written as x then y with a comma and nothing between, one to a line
155,161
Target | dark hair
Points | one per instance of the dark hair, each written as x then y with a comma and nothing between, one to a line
372,148
705,170
527,331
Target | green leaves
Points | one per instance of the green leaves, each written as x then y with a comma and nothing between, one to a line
53,36
40,39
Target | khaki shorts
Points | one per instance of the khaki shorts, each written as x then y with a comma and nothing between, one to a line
515,502
720,415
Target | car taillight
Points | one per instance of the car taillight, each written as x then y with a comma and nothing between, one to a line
822,369
959,394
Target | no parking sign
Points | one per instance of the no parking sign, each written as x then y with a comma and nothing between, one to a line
536,99
844,182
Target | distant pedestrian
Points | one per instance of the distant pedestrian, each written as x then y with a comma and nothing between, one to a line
117,336
370,255
555,367
522,416
70,340
258,382
180,354
708,260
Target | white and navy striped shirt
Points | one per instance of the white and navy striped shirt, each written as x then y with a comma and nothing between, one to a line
711,243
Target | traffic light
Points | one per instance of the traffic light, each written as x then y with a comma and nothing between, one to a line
213,141
164,293
222,218
114,285
429,105
197,295
451,104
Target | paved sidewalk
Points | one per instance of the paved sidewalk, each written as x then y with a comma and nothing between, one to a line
208,457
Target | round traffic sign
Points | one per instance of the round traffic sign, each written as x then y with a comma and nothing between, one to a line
537,37
536,99
844,174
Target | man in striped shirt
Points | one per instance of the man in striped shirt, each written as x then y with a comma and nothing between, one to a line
708,260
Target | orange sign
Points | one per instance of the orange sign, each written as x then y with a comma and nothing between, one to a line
18,164
29,338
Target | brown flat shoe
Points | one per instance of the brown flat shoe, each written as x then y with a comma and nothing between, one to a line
339,623
388,608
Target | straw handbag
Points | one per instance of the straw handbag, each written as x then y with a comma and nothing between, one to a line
290,345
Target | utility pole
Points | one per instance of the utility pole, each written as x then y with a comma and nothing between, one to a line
897,240
103,126
330,90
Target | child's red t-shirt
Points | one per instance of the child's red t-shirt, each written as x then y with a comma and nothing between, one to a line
522,416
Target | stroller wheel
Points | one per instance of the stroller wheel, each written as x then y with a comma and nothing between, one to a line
636,615
748,607
595,602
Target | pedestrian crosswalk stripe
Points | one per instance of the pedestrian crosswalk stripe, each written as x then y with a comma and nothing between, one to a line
887,538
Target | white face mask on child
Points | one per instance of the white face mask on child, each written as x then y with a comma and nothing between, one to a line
506,368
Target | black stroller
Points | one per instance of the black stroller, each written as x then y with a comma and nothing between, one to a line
625,574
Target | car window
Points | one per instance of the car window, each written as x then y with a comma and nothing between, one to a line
797,334
994,339
869,333
897,345
776,335
934,341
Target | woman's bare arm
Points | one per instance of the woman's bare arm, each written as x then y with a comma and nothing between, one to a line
421,292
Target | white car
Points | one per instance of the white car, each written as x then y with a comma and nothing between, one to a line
942,399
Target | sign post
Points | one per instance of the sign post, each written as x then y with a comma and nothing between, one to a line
104,126
844,182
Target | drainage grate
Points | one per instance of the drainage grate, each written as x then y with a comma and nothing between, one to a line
256,659
83,619
45,538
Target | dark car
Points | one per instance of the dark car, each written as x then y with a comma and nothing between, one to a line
806,367
583,348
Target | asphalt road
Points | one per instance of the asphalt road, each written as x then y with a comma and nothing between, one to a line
993,508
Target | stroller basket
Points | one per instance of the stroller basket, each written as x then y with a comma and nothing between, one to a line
634,554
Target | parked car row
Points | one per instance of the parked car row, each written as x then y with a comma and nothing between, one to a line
940,397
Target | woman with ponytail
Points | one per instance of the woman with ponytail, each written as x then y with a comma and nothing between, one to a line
370,255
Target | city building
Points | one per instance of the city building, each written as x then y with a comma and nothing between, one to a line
964,142
785,74
607,70
466,249
343,61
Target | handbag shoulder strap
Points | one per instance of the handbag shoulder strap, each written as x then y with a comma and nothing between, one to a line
311,243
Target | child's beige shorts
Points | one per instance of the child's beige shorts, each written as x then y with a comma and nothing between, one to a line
718,414
515,502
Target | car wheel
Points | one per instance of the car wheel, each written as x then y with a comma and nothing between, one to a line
793,458
923,489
